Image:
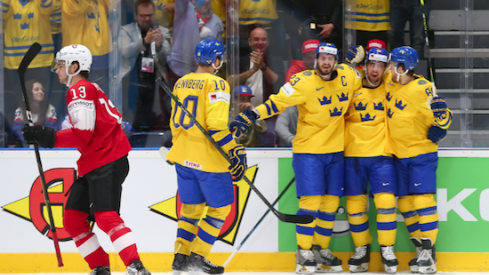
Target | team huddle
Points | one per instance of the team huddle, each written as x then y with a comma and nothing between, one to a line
372,132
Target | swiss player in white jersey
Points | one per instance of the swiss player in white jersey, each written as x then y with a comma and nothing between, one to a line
96,132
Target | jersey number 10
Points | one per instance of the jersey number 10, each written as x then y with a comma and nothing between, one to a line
180,116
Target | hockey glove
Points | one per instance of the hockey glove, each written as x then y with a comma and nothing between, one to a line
44,136
436,133
355,54
242,122
238,162
439,107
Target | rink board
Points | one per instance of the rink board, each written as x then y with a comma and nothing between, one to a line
149,208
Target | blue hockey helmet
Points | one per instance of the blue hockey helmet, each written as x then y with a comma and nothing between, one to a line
327,48
379,55
208,50
406,55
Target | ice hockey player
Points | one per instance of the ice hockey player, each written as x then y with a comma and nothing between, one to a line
204,177
102,168
416,121
366,161
322,97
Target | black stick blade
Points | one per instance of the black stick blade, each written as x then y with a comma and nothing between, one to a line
299,219
29,56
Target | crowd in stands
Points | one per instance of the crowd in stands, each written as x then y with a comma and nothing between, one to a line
272,41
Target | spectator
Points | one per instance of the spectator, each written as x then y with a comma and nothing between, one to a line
286,126
137,53
403,11
312,19
25,22
369,20
250,138
86,23
261,71
43,113
187,34
210,25
307,62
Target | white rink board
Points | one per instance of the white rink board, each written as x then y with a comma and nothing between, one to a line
150,181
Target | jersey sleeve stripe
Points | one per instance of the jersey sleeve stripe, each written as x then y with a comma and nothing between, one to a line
225,140
269,111
274,107
212,132
43,5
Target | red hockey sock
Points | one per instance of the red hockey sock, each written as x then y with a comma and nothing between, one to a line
76,224
121,236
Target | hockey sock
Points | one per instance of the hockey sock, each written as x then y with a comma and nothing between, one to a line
209,229
428,217
308,205
411,218
356,206
121,236
386,218
325,220
76,224
187,226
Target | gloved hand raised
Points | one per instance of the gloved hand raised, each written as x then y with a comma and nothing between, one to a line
238,162
44,136
242,122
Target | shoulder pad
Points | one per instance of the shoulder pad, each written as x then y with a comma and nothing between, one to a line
422,82
307,73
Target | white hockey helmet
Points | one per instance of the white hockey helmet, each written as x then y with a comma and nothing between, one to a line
70,54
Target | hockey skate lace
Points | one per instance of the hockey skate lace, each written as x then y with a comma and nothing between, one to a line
360,252
307,254
425,255
209,263
388,253
326,253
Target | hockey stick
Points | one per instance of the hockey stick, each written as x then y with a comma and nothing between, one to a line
163,152
258,223
433,87
301,219
28,57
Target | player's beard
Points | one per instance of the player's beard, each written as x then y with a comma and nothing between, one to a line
325,71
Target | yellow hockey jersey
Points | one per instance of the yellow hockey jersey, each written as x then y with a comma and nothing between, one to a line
55,17
257,12
409,117
369,15
365,130
207,97
26,22
322,106
86,22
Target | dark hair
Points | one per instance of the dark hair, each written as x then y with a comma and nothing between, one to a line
144,3
83,74
29,85
410,73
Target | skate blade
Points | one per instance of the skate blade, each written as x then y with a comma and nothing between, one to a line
305,269
359,268
390,269
427,269
328,269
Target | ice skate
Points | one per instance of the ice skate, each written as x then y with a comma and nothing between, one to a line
137,268
325,259
413,264
100,270
389,259
427,258
306,264
198,263
180,264
359,261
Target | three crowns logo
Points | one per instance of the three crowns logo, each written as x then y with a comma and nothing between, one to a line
379,106
367,117
389,113
336,112
24,26
388,96
18,16
399,105
325,100
170,208
343,97
360,106
31,15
